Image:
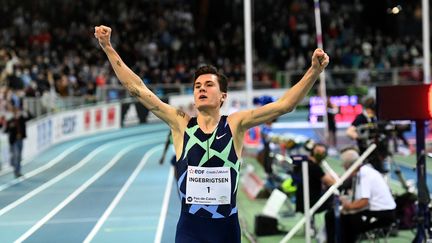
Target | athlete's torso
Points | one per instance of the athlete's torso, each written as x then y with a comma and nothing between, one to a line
208,169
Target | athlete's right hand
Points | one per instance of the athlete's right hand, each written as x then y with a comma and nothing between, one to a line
103,35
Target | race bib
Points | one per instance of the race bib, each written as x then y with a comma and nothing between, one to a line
208,185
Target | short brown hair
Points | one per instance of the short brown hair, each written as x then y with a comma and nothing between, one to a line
369,103
209,69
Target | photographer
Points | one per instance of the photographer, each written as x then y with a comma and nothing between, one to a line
366,130
318,179
364,121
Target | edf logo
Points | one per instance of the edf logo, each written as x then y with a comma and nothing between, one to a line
68,125
200,172
196,171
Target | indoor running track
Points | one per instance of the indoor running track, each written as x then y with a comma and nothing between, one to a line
101,188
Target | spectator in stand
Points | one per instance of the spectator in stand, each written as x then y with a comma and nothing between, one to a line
179,39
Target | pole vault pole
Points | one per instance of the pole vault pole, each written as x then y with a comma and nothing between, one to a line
426,42
248,51
322,84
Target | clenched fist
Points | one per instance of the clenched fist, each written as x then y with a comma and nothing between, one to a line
320,60
103,35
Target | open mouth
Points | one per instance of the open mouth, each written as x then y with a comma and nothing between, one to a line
202,97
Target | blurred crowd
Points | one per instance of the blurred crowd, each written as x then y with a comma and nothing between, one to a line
50,51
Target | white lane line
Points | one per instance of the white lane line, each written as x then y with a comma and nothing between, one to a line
44,167
80,220
164,210
56,179
78,191
120,194
57,159
28,160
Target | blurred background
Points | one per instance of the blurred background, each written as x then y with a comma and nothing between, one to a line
49,59
53,71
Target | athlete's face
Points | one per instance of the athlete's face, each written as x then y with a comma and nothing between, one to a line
207,92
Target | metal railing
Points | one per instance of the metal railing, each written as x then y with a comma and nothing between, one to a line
344,78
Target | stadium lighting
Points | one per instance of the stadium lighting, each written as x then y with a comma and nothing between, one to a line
395,10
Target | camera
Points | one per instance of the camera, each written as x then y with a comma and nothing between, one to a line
381,133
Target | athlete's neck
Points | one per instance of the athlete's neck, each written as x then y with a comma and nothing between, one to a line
208,122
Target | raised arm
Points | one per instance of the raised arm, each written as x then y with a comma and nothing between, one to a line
135,85
249,118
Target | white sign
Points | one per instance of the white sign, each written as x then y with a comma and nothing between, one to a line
47,131
274,203
208,185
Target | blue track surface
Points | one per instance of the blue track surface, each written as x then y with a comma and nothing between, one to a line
65,201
